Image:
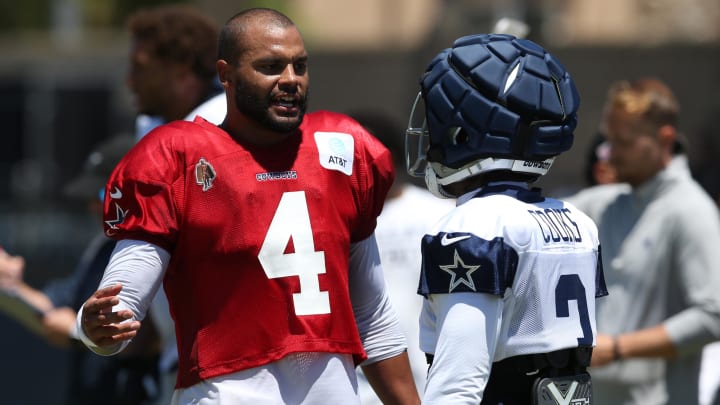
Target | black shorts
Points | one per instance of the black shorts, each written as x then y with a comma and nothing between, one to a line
534,379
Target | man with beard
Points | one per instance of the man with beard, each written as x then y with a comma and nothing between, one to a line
660,233
262,232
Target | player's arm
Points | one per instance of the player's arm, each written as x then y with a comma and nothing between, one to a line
11,282
387,367
391,381
111,316
650,342
467,329
696,325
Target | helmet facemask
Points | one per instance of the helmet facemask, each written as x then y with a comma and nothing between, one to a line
417,139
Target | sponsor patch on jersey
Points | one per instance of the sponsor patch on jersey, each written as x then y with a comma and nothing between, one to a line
204,174
336,150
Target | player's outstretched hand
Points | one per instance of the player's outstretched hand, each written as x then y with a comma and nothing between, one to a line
103,326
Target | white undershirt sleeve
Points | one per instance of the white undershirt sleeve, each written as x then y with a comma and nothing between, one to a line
466,332
139,266
377,321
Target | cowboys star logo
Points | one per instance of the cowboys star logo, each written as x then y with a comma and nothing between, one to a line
460,273
120,215
204,174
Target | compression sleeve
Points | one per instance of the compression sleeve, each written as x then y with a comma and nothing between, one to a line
467,329
139,266
376,319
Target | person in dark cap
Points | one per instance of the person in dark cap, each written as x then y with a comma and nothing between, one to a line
90,184
93,379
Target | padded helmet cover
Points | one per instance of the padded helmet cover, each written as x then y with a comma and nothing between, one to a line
509,97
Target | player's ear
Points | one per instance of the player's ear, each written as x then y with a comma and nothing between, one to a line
224,71
667,134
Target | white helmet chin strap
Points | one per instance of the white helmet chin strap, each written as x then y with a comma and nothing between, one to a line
435,183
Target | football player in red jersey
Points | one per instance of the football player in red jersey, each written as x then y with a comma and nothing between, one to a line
262,230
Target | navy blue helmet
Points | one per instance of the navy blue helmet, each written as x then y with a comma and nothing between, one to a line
491,102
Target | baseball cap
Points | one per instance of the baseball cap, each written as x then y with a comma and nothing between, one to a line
98,167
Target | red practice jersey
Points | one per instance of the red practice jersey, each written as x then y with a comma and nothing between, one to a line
259,236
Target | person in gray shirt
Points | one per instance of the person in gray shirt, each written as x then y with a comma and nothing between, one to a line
660,240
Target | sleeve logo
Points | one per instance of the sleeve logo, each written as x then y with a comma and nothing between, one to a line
112,224
460,273
204,174
447,240
116,194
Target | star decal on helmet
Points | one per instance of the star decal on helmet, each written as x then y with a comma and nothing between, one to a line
460,273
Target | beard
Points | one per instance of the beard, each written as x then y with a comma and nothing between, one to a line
257,108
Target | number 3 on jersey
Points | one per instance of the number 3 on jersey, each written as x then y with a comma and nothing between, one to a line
570,288
292,220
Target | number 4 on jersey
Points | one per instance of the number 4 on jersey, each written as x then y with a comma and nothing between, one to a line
292,221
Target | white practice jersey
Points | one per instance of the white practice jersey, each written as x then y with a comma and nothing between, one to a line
536,259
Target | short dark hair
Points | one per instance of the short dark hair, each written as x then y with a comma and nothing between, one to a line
230,45
178,33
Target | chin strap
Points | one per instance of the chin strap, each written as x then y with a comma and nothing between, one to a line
435,184
431,181
491,164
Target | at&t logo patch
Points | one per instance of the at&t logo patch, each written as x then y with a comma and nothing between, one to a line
336,150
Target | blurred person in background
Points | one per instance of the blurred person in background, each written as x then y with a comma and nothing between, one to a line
407,216
173,77
660,234
12,269
598,169
131,379
172,66
261,232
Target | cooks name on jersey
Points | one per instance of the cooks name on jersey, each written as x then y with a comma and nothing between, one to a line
557,225
336,151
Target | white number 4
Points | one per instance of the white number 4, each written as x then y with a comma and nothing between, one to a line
292,220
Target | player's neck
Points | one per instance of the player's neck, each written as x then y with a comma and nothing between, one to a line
251,132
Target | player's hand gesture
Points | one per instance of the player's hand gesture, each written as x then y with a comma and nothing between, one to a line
103,326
